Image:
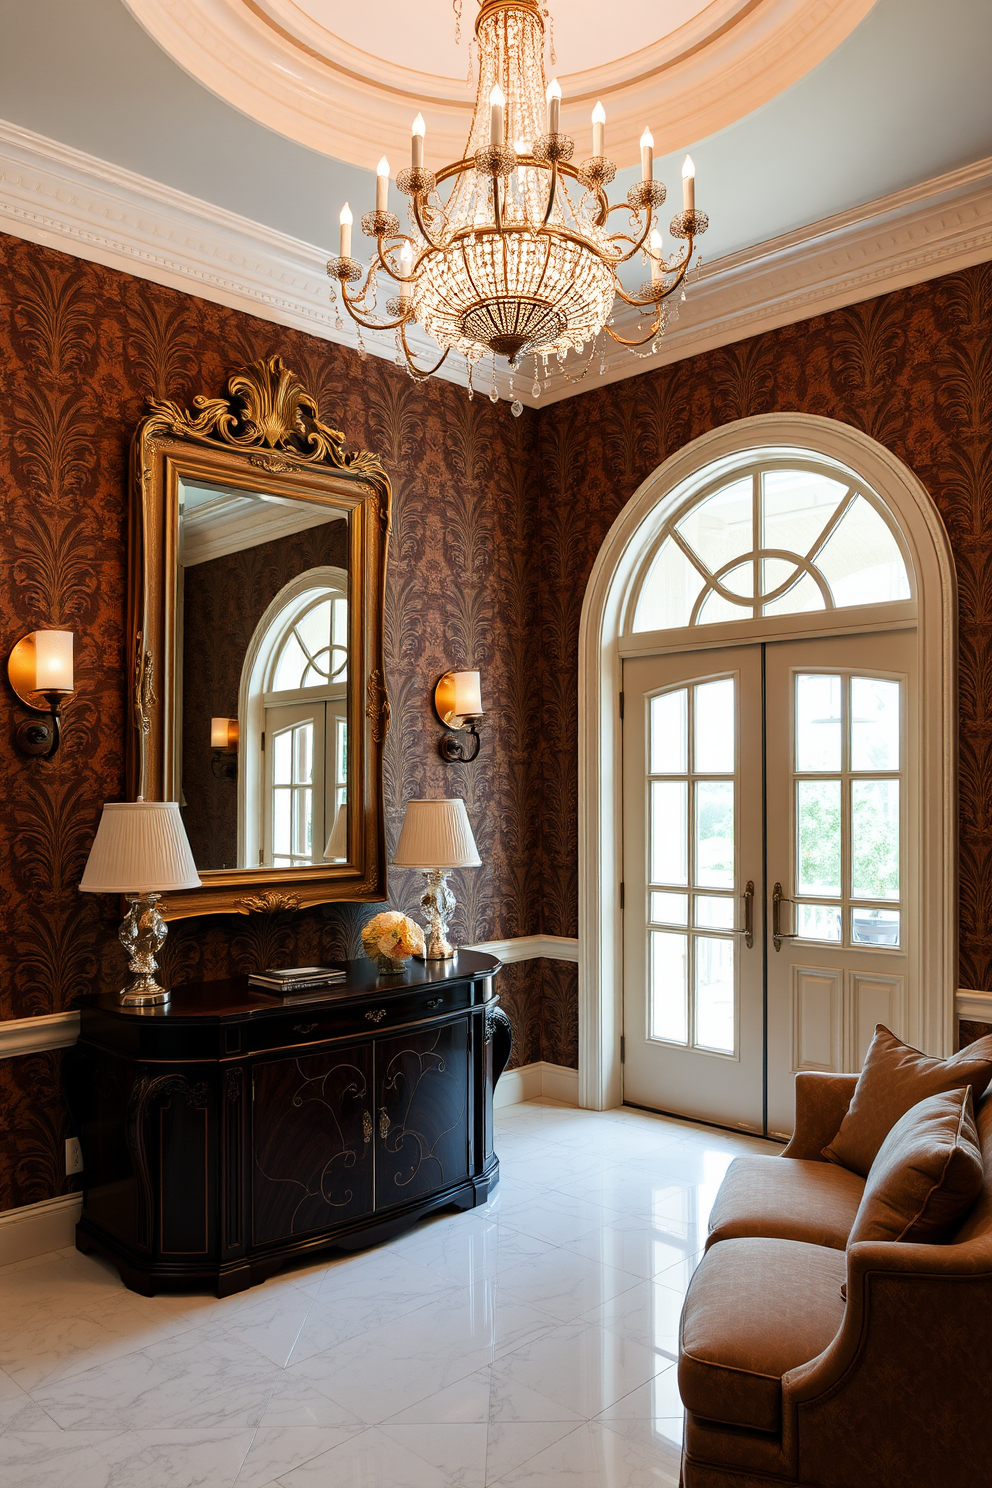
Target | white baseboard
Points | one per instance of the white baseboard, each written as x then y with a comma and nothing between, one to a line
531,1081
36,1228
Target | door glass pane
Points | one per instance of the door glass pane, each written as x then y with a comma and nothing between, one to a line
669,909
713,913
714,727
281,820
875,926
818,722
715,834
715,993
875,839
282,757
818,921
303,739
669,863
874,724
818,836
669,987
668,733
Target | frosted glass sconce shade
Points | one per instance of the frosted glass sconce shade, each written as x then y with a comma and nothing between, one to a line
223,733
40,669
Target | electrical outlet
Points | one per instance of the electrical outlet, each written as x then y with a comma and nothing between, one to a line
73,1156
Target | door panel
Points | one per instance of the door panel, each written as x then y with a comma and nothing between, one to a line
841,841
422,1113
693,1018
312,1140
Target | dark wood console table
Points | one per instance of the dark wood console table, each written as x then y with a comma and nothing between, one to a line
228,1132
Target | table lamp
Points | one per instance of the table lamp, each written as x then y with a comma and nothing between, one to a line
436,837
140,850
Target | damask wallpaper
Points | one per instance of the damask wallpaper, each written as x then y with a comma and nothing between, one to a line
223,601
80,349
497,524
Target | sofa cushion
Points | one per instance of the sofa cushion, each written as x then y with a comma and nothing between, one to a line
754,1310
927,1174
894,1078
786,1198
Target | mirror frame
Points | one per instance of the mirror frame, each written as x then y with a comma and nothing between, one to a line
267,429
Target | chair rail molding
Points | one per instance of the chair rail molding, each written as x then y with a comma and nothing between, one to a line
64,198
629,540
37,1035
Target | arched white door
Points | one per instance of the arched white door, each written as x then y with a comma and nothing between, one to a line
769,619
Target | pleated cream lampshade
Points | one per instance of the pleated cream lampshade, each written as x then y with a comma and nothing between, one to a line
140,847
337,842
436,834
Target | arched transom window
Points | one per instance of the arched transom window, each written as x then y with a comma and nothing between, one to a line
772,539
314,651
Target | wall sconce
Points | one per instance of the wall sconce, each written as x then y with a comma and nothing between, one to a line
224,743
458,704
40,672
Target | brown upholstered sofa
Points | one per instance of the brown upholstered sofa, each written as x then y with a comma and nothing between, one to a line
786,1383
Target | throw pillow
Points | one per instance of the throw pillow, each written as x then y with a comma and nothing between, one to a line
927,1174
894,1078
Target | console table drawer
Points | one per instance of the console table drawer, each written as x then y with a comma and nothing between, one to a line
312,1025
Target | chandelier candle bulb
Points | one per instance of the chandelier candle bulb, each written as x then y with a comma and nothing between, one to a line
417,142
382,185
346,219
554,107
599,131
647,155
657,252
688,185
497,103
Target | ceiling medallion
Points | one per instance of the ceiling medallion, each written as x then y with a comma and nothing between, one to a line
516,258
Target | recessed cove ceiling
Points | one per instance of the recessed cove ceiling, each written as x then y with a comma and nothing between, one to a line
347,80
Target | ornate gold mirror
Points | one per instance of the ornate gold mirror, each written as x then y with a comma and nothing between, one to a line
257,583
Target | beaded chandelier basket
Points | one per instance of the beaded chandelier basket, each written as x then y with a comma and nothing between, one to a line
510,252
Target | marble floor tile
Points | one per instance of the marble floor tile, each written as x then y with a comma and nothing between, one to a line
528,1342
593,1456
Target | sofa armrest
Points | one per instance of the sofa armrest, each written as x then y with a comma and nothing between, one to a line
821,1105
900,1396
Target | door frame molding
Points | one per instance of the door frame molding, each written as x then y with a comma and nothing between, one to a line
600,803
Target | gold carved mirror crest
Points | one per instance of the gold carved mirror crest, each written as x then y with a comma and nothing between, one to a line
257,592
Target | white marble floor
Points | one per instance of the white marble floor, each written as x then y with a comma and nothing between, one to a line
528,1343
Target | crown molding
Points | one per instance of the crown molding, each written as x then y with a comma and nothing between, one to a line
65,199
928,230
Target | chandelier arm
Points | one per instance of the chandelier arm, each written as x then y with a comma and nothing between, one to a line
552,191
680,273
351,305
639,244
656,326
415,371
418,218
497,208
384,260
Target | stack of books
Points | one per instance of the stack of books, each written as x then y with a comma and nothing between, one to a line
294,983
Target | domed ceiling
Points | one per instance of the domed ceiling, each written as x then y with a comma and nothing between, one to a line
347,79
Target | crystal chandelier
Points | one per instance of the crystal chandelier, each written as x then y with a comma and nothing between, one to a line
510,251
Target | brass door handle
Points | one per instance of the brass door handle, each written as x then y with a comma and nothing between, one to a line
384,1123
367,1126
778,935
748,930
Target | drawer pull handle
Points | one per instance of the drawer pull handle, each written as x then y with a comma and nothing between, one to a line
434,1002
376,1015
304,1027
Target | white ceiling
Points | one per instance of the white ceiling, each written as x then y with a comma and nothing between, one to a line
906,97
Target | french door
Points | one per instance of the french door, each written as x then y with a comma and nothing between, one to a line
770,863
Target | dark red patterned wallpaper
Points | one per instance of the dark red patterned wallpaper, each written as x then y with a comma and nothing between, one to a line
80,349
497,525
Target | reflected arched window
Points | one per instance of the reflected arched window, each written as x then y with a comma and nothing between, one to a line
772,540
314,652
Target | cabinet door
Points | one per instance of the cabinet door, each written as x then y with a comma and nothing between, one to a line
422,1112
312,1142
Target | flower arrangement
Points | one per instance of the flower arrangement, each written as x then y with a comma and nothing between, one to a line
391,938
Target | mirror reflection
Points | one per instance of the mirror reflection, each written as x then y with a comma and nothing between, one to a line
261,694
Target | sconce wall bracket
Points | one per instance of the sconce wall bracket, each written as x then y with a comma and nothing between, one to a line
454,750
